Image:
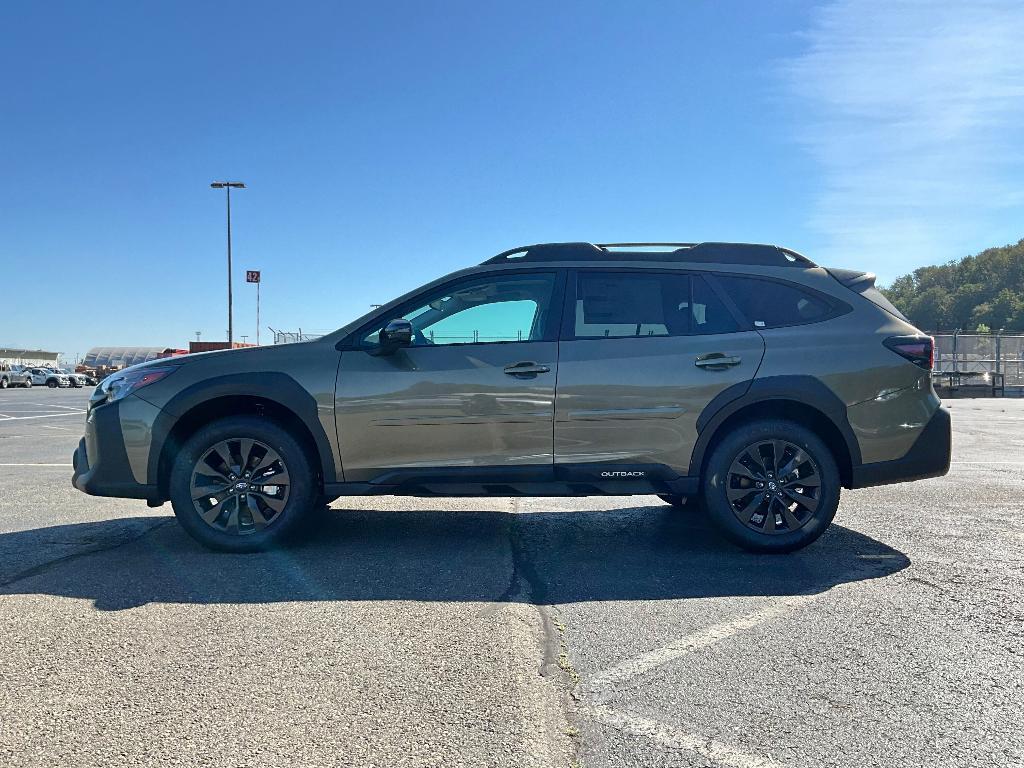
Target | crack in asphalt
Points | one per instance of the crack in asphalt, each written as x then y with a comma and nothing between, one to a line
526,585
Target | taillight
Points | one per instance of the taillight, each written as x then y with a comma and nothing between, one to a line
920,350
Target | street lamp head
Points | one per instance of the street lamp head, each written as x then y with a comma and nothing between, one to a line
222,184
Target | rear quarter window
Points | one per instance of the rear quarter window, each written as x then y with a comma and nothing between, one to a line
772,304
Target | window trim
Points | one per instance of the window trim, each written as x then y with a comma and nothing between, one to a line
550,334
837,307
568,327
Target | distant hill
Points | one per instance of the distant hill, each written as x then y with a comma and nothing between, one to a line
983,292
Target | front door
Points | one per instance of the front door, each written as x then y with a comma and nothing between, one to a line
643,352
474,390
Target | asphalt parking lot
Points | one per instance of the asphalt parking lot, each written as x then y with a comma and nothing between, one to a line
542,632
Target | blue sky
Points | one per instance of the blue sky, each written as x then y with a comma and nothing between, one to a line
386,143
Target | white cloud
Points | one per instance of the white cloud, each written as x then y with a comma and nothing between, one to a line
915,113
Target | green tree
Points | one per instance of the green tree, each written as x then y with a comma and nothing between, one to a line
984,289
931,309
998,312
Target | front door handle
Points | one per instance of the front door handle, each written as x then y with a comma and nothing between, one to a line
525,368
717,361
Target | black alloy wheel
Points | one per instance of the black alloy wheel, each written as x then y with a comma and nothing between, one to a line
240,486
771,485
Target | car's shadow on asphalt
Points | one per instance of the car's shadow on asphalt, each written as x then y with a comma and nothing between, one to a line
629,553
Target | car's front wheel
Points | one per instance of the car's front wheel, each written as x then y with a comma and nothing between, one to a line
771,486
241,484
52,383
28,383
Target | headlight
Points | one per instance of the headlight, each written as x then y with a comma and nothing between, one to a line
120,385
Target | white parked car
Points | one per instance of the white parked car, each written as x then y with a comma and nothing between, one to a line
45,377
76,379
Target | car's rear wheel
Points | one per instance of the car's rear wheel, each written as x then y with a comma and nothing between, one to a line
771,486
3,383
28,383
241,484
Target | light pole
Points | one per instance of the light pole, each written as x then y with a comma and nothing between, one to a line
227,185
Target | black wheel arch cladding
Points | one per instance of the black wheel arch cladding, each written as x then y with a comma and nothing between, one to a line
806,391
273,387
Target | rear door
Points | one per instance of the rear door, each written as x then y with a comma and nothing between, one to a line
642,353
474,393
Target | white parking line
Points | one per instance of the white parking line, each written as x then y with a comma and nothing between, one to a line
660,734
45,416
645,662
54,405
967,463
35,465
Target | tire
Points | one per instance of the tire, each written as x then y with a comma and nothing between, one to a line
3,383
236,526
732,493
52,383
28,384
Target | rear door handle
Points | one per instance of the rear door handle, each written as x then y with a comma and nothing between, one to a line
717,361
525,368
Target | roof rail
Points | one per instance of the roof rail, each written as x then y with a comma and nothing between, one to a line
714,253
549,252
646,245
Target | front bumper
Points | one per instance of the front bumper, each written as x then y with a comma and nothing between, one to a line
927,457
101,464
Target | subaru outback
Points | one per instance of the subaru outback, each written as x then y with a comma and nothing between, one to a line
742,380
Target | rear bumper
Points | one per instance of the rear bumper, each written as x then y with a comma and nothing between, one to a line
100,463
927,457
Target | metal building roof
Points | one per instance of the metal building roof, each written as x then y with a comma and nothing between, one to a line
121,357
9,353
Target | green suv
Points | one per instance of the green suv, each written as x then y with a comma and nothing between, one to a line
743,380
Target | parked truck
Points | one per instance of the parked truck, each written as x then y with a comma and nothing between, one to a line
14,376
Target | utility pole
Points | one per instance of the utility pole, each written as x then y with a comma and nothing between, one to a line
227,185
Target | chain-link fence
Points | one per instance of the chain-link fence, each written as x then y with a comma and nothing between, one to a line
291,337
978,354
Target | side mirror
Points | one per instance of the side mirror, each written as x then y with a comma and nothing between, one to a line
397,333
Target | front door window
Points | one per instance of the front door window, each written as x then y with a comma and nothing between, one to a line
494,310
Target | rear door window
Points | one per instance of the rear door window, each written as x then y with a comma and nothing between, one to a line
772,304
710,314
625,304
